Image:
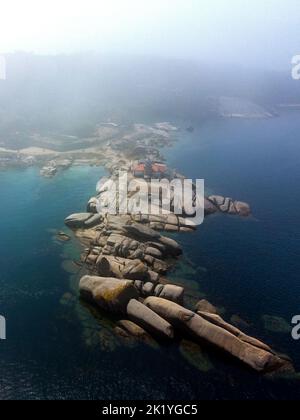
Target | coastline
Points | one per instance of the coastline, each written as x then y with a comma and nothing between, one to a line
132,280
219,264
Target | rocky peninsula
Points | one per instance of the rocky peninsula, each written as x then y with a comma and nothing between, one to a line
128,256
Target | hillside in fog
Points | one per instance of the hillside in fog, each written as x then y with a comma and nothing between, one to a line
70,94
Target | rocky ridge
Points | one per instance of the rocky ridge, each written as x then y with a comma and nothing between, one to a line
128,257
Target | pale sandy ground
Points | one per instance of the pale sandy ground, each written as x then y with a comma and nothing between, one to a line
37,151
3,150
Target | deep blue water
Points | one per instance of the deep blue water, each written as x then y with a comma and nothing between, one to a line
252,265
55,348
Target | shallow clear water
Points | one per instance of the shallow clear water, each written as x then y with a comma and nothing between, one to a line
55,347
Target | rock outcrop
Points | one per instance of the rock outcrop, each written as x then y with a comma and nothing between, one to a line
121,268
205,306
227,205
128,257
80,220
166,291
109,294
49,171
149,320
249,351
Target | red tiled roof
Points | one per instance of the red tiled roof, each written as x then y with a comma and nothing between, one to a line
156,167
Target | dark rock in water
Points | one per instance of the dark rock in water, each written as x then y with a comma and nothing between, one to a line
62,236
276,324
190,129
194,355
133,329
206,306
239,322
149,320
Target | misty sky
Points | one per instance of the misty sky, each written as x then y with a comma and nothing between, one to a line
255,33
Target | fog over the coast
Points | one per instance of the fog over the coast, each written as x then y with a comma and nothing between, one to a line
255,34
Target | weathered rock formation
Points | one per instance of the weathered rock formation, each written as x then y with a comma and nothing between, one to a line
205,306
128,257
149,320
227,205
161,316
213,330
109,294
49,171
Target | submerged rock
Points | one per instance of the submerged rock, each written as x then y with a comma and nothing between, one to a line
205,306
195,356
63,237
239,322
276,324
134,330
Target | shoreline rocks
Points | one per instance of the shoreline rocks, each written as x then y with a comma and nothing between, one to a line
127,257
149,320
205,306
251,352
108,293
227,205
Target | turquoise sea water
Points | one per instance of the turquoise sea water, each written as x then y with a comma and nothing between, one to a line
56,348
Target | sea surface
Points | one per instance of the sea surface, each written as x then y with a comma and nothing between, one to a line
249,268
